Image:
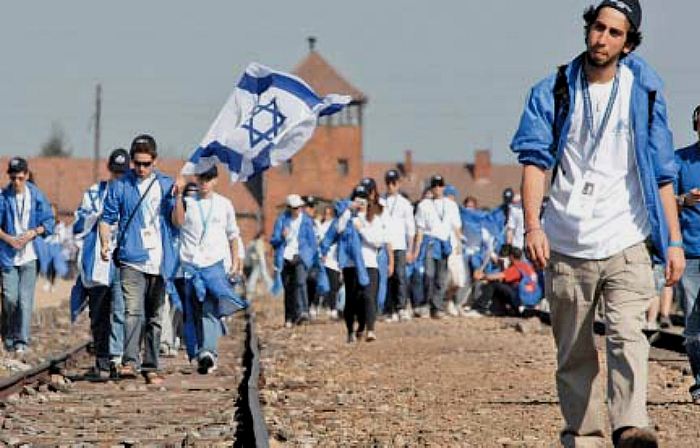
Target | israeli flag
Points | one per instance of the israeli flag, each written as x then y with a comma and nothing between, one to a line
268,118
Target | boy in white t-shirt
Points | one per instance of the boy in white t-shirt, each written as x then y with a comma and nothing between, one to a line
209,254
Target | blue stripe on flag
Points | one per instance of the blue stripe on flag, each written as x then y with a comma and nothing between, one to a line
228,156
261,162
257,86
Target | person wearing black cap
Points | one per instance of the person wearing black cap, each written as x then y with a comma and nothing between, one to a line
688,190
99,279
401,231
361,299
209,256
600,124
140,203
434,228
25,215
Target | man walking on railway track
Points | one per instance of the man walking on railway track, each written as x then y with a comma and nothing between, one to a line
25,215
209,255
141,203
100,279
688,190
600,125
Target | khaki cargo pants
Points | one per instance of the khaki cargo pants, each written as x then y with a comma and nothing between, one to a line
574,287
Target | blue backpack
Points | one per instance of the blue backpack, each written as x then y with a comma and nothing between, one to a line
529,290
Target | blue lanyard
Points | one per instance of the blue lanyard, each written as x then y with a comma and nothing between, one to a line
20,212
588,111
205,221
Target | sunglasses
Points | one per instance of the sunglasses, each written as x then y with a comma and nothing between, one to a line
143,164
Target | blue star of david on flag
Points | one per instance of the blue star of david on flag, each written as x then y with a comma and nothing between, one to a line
275,121
268,118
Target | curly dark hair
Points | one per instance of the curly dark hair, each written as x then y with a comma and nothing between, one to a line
634,36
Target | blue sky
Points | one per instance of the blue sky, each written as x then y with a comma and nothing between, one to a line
443,77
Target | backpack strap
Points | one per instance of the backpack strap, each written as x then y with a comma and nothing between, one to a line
562,103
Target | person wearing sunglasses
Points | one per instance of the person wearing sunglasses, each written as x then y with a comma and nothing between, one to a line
141,204
25,214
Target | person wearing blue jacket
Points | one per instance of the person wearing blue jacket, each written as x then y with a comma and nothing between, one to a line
688,190
99,280
25,215
294,241
600,124
141,203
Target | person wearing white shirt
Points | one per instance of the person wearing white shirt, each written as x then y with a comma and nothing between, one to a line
434,223
515,233
209,251
361,301
312,274
106,301
331,264
401,231
25,215
455,261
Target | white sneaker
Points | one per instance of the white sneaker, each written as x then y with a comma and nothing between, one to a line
371,336
451,309
313,312
473,313
395,317
288,324
334,314
206,363
404,315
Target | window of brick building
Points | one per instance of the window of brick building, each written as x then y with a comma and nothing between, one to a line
343,167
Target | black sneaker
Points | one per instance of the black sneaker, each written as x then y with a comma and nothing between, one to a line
665,322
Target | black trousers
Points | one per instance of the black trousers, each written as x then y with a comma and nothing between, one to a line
360,301
334,279
497,297
398,284
294,280
311,282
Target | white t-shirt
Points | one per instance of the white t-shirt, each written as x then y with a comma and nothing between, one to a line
332,255
205,236
150,207
23,211
516,224
619,218
401,225
292,247
438,218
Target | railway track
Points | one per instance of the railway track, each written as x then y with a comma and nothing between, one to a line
54,403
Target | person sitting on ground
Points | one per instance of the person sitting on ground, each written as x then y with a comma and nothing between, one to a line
502,288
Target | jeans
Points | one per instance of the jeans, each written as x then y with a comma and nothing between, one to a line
500,296
107,322
296,302
435,282
398,284
18,283
360,301
690,282
144,295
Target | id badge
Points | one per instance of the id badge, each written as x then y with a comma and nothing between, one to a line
583,198
149,238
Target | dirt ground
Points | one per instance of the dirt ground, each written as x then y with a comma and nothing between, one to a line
453,382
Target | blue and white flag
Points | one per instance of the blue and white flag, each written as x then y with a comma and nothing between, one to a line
268,118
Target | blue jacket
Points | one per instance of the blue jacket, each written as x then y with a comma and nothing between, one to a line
307,239
534,140
688,160
40,215
349,244
120,202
